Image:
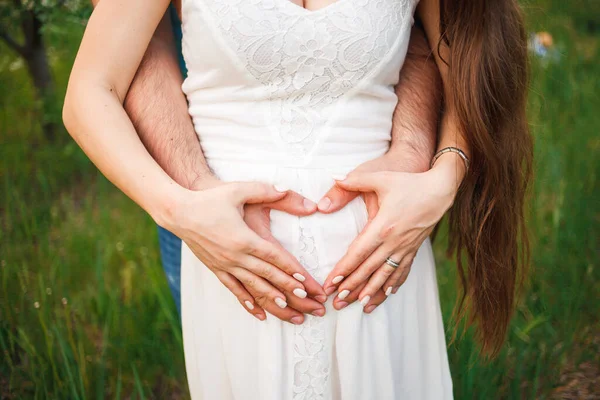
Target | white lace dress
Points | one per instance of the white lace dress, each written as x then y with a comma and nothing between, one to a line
289,96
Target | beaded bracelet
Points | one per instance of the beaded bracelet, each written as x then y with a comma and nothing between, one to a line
451,150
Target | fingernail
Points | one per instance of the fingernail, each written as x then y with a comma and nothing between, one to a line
321,298
299,277
395,289
249,305
281,188
338,177
324,204
365,300
318,313
343,294
280,302
388,291
297,320
309,205
260,316
330,290
300,293
370,308
337,279
341,304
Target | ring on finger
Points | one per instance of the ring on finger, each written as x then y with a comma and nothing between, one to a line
392,263
394,266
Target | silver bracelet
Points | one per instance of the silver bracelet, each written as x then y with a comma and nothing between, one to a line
451,150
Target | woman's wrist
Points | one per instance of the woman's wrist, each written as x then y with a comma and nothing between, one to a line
451,163
166,209
450,170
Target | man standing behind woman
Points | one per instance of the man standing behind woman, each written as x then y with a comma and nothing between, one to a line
158,109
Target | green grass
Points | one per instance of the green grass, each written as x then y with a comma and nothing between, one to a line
85,311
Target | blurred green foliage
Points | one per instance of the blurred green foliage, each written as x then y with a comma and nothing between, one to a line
85,311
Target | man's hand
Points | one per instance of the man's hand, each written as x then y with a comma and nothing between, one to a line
230,234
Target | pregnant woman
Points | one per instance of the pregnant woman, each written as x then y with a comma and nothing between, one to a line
291,97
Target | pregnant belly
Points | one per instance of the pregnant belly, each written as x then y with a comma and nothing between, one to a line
318,241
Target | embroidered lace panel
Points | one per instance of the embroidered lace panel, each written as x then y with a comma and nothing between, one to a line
311,361
308,59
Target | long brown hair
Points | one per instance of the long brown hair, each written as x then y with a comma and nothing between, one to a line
488,71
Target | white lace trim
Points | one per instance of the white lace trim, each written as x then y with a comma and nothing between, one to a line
311,361
308,59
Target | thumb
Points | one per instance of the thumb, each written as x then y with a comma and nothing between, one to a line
362,181
295,204
335,199
256,192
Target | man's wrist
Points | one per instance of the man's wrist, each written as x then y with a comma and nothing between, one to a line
203,181
408,157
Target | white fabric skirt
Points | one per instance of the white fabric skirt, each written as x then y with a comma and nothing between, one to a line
396,352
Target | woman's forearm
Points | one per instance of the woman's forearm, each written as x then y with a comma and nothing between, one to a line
450,133
115,40
97,121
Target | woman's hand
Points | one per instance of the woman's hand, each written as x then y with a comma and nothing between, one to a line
398,159
409,206
229,232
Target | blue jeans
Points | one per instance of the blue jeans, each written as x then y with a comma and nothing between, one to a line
170,252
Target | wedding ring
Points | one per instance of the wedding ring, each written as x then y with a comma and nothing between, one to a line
392,263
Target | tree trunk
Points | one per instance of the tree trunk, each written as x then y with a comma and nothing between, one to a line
36,58
39,69
34,53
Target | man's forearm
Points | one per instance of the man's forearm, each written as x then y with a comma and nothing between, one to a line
159,112
419,91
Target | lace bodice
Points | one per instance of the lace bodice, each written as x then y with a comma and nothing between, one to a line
298,67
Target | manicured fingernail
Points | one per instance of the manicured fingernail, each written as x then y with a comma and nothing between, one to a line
337,279
297,320
300,293
249,305
260,316
281,188
338,177
365,300
321,298
299,277
341,304
395,289
343,294
319,313
324,204
370,308
330,290
280,302
388,291
309,205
